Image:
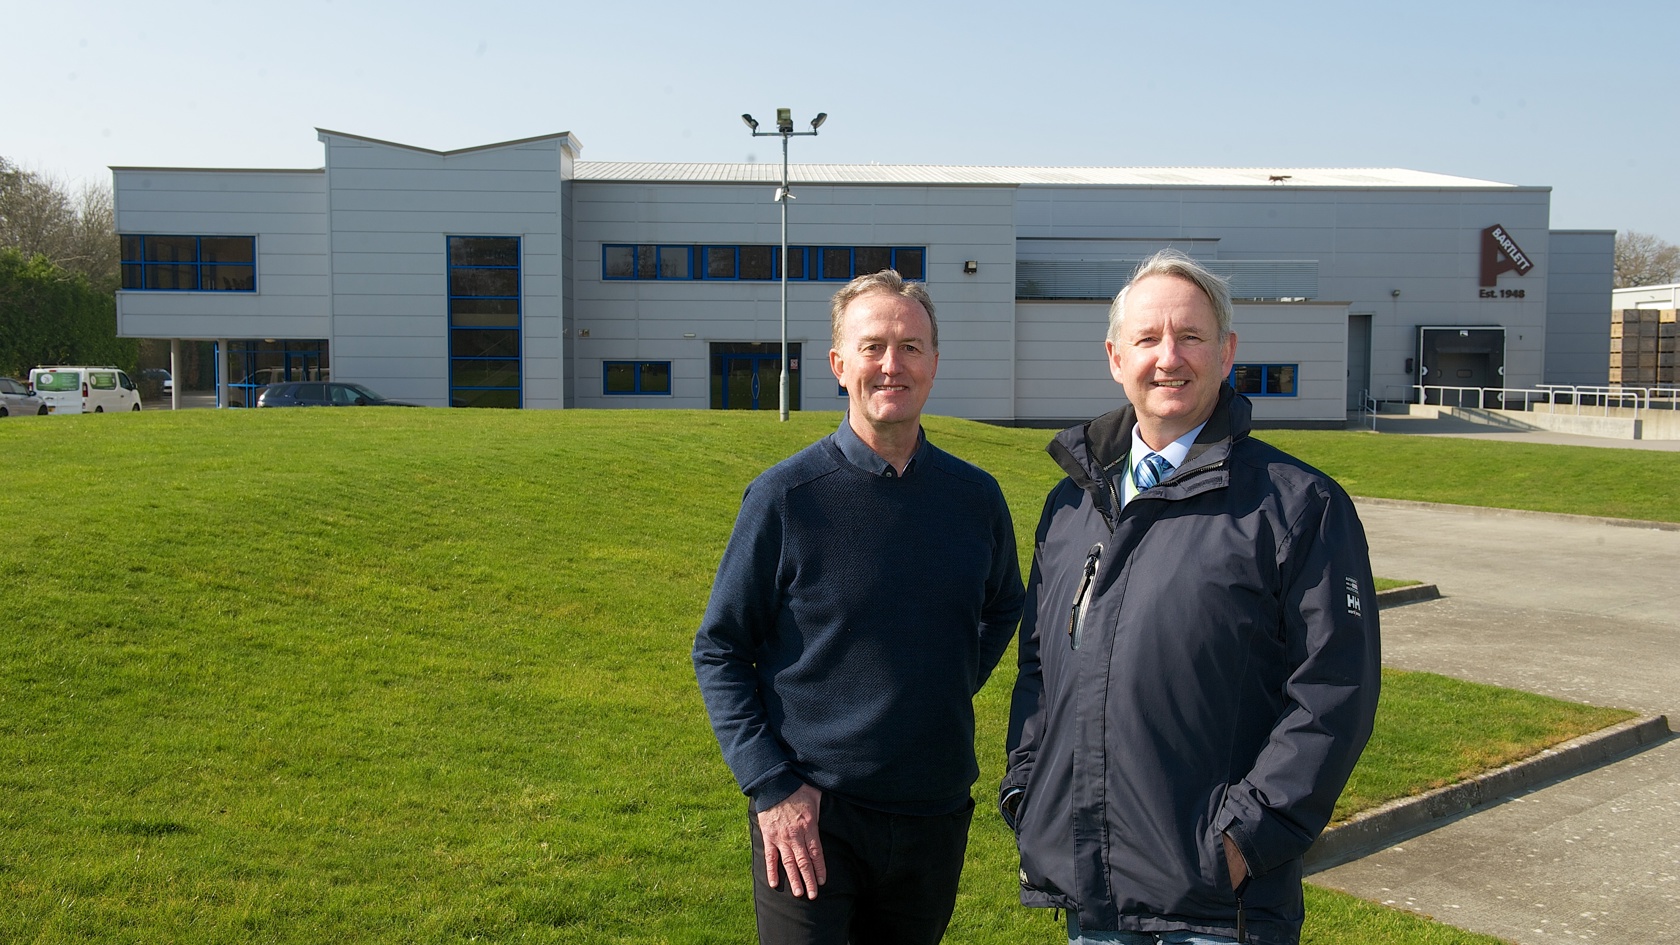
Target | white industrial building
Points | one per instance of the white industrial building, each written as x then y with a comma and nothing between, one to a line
515,274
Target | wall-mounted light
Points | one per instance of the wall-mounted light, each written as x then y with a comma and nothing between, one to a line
971,266
688,334
583,333
1395,293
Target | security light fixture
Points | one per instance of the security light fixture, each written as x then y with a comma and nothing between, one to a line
971,266
784,130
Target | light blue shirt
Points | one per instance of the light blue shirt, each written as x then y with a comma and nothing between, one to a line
1174,453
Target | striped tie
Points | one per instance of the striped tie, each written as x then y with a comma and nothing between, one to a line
1150,471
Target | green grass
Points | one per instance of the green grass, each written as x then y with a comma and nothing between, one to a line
1389,584
423,676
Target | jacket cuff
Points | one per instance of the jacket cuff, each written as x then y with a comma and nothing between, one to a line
775,791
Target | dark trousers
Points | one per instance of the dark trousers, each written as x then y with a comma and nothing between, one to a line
892,878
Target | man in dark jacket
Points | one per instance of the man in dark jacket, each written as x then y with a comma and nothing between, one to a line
868,590
1199,659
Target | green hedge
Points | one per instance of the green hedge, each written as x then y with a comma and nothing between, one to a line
51,316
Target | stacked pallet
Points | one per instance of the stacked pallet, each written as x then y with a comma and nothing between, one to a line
1642,346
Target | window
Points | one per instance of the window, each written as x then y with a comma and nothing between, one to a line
636,377
1264,380
484,322
758,263
189,263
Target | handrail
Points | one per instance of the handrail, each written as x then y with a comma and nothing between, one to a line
1368,404
1549,394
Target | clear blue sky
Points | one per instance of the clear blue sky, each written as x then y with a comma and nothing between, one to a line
1581,97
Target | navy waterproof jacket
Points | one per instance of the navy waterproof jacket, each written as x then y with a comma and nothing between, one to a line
1204,661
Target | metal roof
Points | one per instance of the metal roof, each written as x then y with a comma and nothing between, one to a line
1340,177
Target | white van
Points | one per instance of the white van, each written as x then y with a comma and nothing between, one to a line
77,389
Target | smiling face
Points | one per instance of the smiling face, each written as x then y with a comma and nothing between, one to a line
1169,357
886,361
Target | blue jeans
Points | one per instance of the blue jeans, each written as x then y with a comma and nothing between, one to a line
1075,937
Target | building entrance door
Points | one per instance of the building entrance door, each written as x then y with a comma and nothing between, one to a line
748,376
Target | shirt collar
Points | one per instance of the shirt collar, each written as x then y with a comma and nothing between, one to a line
1174,452
860,455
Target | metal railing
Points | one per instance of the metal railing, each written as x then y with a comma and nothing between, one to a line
1599,399
1368,405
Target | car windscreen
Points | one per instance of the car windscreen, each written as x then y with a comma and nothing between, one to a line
58,381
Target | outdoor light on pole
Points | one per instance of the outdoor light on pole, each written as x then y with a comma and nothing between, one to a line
784,130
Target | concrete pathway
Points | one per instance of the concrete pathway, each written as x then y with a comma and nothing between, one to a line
1575,608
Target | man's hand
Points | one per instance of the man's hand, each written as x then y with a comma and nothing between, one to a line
791,842
1234,862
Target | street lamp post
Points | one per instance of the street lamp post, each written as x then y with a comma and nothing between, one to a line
784,130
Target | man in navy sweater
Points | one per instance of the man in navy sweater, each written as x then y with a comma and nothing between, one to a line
869,588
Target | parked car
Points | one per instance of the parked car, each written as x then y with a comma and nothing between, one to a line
17,398
84,389
161,376
323,394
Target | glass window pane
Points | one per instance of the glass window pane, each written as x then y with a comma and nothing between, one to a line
758,262
134,276
873,259
227,249
486,373
171,249
1280,379
720,262
796,262
484,251
508,399
656,377
1246,378
646,263
618,262
479,282
484,313
130,248
171,277
836,263
621,377
911,263
486,343
675,262
230,278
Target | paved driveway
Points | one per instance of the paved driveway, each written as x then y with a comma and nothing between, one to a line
1573,608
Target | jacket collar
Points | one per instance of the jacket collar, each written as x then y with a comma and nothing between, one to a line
1089,451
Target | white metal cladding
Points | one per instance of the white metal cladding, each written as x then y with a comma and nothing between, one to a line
1169,177
1102,279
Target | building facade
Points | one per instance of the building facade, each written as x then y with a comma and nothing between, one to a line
518,275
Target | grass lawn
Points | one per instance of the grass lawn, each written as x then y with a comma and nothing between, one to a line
423,676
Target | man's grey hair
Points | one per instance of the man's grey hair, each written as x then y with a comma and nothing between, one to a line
1171,262
886,282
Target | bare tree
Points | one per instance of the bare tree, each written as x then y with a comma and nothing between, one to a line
1643,259
39,216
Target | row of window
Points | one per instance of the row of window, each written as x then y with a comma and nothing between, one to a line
758,263
189,263
484,368
654,377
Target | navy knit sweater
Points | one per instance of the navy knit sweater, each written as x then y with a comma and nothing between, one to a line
853,618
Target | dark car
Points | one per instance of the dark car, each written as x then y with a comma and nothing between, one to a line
322,394
15,397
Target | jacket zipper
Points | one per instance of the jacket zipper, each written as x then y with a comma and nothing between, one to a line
1082,600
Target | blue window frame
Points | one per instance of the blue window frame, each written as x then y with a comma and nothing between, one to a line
484,322
757,262
1265,380
158,263
635,377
